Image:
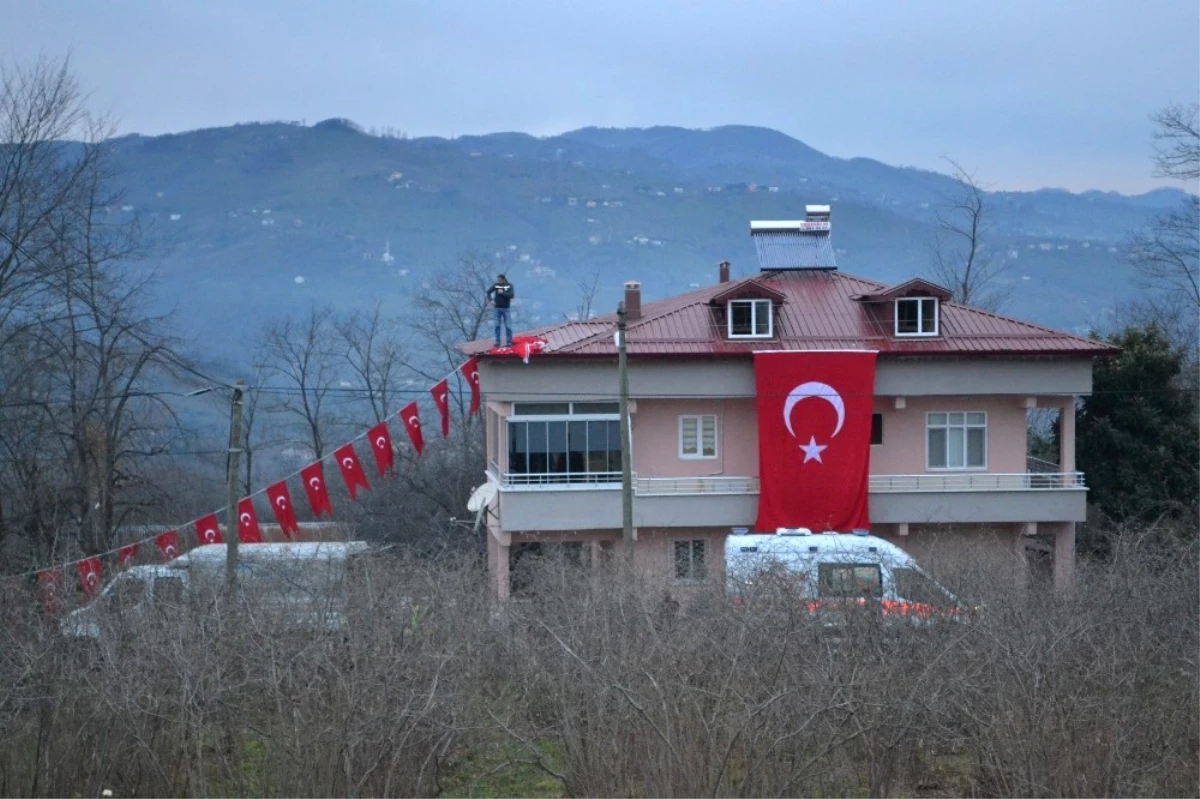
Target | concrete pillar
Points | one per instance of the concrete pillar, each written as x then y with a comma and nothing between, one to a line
1064,555
498,546
1066,436
1021,533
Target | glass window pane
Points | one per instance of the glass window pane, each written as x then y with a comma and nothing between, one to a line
937,448
556,447
579,408
709,437
541,408
976,418
954,448
956,418
518,448
928,315
687,435
614,446
597,446
762,318
975,447
740,313
937,418
906,316
577,447
537,448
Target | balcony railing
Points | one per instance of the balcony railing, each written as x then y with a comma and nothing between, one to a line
712,486
975,481
693,486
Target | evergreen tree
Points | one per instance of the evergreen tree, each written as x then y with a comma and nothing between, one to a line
1137,435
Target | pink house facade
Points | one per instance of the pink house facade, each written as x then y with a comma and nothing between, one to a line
949,472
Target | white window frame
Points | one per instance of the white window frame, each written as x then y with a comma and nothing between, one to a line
528,480
691,579
698,420
755,304
965,426
920,301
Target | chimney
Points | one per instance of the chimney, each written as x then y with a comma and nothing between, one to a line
633,299
723,271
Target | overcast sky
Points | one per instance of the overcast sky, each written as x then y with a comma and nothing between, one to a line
1028,93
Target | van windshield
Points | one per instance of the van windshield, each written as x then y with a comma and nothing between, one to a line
849,580
915,586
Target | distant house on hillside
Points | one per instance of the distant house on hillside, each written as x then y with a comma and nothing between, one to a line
948,469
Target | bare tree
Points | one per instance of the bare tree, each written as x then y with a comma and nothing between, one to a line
1177,142
958,252
452,309
588,288
298,356
1166,254
80,422
41,173
374,353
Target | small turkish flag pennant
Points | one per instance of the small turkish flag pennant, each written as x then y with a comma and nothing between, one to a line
89,576
352,470
315,487
168,543
285,512
470,372
412,423
248,532
441,398
126,554
208,531
381,445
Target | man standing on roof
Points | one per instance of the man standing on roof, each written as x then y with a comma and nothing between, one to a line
501,294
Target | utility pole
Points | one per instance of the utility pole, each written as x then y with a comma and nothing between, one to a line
232,475
626,455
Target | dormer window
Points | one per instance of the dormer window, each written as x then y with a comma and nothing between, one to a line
750,319
916,316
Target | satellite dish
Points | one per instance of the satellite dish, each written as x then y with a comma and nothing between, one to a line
481,497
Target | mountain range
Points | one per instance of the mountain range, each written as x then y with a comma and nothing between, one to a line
252,221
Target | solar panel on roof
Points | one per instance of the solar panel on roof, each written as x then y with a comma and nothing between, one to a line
793,249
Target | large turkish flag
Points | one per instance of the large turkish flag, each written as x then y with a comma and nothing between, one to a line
814,438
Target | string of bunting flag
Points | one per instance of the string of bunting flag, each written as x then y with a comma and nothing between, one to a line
51,581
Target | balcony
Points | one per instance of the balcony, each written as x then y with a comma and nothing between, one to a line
975,481
589,501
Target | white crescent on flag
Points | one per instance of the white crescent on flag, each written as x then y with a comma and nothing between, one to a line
415,422
315,482
819,391
244,518
381,442
348,463
170,551
281,501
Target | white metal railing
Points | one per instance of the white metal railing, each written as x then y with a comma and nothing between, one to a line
878,483
694,486
975,481
559,480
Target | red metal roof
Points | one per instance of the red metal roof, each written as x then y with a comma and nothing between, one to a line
819,311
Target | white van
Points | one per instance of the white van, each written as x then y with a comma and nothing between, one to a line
831,570
298,582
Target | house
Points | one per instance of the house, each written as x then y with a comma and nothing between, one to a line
952,390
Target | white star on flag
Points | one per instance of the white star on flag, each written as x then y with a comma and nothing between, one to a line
812,450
